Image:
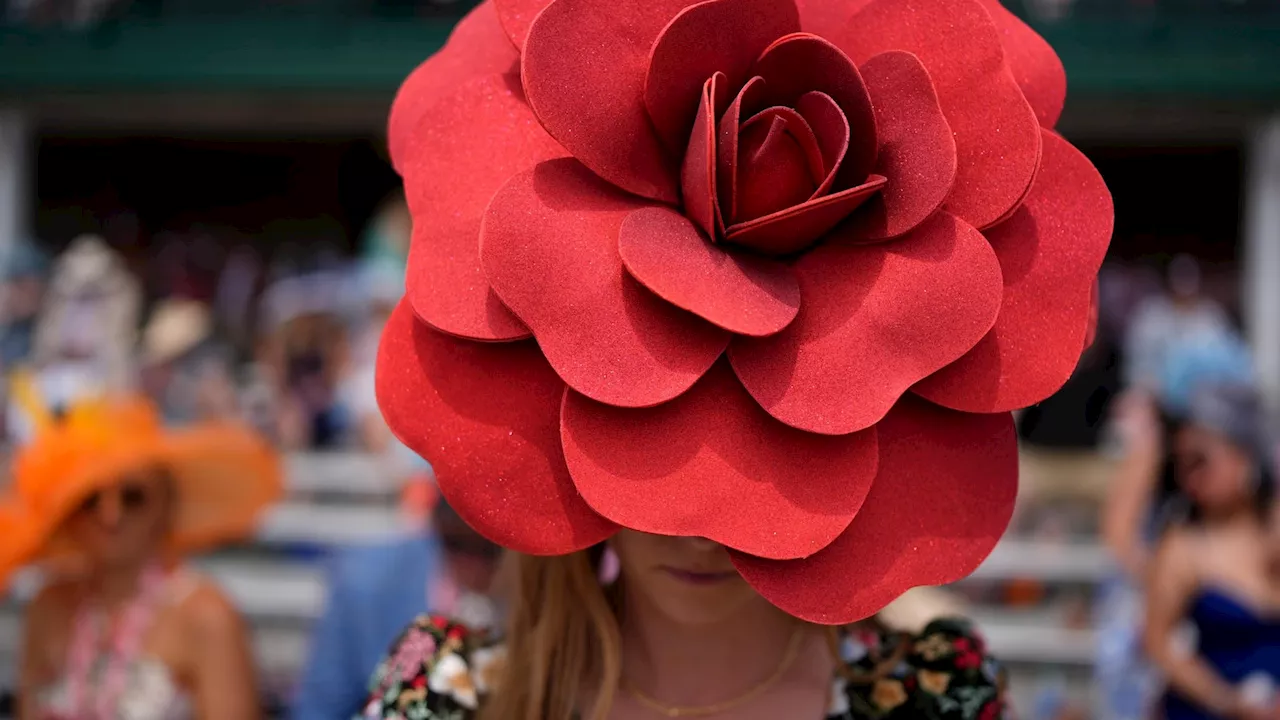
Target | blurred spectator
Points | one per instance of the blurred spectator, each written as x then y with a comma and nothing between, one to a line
20,298
107,503
306,352
1211,567
375,591
1182,314
184,369
85,333
1134,509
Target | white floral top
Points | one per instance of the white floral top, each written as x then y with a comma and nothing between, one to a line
440,670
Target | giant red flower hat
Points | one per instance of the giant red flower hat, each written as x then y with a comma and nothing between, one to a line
770,272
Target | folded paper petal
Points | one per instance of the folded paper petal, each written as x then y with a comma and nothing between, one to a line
467,147
741,293
831,130
516,17
917,151
942,497
874,320
698,177
476,48
1035,65
744,105
1050,252
584,67
799,226
487,417
675,468
996,131
714,36
550,249
779,163
801,63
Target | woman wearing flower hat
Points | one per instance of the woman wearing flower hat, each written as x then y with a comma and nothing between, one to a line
107,504
715,316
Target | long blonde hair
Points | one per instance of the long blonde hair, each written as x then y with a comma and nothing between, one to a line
562,639
563,642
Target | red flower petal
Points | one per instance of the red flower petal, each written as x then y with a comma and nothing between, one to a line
779,163
874,319
801,63
713,36
1050,252
698,177
467,147
674,469
996,132
476,48
942,497
584,71
1035,65
746,102
487,417
821,16
830,129
550,249
917,151
517,17
741,293
799,226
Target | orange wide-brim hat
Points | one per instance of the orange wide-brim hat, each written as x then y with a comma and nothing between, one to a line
224,477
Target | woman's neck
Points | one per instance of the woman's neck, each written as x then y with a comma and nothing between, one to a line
683,664
115,586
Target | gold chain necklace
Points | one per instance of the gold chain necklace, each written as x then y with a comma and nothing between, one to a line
678,711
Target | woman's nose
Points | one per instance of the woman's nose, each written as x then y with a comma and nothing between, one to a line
110,509
702,544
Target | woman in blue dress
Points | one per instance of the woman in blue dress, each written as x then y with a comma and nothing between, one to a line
1212,568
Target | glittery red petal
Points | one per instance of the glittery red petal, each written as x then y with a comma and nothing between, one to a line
674,469
1035,65
476,48
874,320
820,16
1050,252
779,163
942,497
996,132
801,63
550,249
470,145
830,129
799,226
744,104
487,417
517,17
714,36
917,151
584,67
698,176
739,292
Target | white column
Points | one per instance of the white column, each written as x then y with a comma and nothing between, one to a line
1260,267
15,175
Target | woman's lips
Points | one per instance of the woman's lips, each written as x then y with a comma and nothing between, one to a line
694,577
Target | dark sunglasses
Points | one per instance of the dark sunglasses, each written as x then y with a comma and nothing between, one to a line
132,498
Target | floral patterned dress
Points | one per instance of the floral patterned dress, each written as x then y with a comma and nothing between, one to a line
440,670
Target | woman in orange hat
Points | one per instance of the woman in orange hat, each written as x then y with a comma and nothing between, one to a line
107,504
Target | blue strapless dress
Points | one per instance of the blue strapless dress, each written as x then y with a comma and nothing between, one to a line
1235,640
